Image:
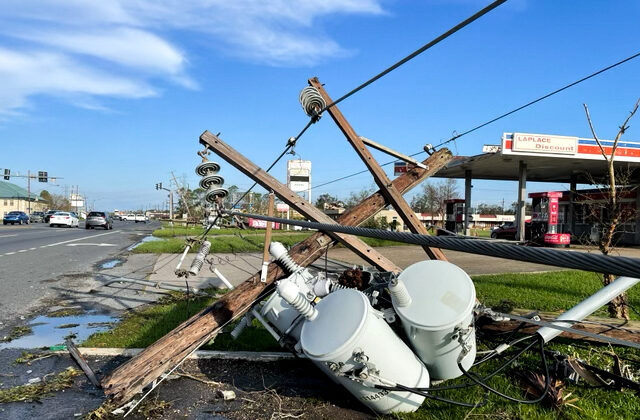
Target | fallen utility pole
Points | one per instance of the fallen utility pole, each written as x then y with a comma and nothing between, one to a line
629,332
130,378
384,183
303,207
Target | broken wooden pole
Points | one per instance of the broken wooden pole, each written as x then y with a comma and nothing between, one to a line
303,207
384,183
129,378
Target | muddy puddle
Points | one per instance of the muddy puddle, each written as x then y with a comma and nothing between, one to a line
51,331
110,263
143,240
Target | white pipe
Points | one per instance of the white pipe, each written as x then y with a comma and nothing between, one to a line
265,324
184,254
589,306
223,279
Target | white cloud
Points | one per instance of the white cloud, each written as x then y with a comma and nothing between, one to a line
121,48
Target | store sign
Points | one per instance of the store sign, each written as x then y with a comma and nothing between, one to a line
262,224
491,148
544,143
282,207
299,175
399,168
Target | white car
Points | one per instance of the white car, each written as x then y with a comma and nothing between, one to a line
129,217
140,218
64,218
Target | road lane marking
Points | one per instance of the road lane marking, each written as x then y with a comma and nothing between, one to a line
91,244
67,242
80,239
7,236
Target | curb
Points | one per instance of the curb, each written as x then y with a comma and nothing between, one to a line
249,356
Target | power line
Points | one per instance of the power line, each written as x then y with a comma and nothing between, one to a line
419,51
457,136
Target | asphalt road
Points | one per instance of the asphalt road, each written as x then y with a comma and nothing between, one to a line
34,257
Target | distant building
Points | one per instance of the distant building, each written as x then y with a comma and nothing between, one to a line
15,198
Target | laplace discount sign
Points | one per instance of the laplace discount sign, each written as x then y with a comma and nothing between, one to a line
544,143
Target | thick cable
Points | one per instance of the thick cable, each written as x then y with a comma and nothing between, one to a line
457,136
506,114
619,266
419,51
547,380
399,387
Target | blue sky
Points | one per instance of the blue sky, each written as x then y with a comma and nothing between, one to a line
113,95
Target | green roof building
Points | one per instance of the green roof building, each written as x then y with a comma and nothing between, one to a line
16,198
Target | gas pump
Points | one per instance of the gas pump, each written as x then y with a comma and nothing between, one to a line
454,218
544,220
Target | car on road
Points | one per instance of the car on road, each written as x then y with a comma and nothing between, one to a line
48,214
140,218
64,218
14,217
36,217
116,217
129,217
98,219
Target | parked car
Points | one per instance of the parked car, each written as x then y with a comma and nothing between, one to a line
508,230
64,218
129,217
98,219
36,217
48,214
14,217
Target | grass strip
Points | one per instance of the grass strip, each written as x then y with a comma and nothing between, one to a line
249,241
549,291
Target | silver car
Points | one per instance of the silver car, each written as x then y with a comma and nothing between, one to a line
99,219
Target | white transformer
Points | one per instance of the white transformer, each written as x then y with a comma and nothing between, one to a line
351,342
435,301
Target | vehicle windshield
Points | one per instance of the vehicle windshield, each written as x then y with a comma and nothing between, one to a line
14,213
96,214
61,213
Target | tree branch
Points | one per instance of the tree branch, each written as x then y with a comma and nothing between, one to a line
595,136
623,128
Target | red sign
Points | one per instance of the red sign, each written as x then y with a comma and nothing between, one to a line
557,238
262,224
399,168
553,210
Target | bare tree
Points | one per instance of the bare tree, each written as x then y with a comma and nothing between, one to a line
614,214
433,196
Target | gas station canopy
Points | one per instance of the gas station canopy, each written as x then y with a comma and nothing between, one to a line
526,157
547,158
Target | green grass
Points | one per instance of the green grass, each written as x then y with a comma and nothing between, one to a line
591,403
550,291
240,241
141,328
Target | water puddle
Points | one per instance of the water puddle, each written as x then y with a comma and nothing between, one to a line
143,240
110,264
48,331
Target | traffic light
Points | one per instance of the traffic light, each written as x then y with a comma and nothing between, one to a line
159,186
42,176
7,174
